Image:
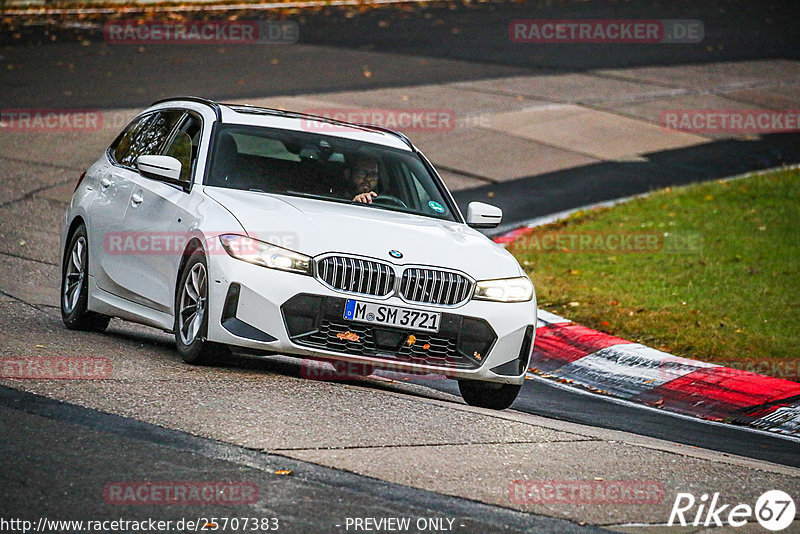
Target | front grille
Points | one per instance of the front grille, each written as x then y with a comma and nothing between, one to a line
356,275
434,287
317,322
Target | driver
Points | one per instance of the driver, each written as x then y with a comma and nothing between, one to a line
362,179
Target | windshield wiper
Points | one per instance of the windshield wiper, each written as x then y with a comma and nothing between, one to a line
310,195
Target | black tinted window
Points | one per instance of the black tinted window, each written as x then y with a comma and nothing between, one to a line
146,136
123,147
152,140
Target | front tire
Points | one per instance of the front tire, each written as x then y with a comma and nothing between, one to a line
488,394
75,286
191,313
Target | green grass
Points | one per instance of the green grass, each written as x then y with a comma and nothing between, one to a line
734,297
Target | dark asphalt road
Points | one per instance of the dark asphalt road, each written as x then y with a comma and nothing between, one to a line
544,194
402,46
59,456
538,397
57,461
398,45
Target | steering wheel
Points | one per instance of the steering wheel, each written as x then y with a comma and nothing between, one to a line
389,200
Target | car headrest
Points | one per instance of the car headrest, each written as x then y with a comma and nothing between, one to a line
226,145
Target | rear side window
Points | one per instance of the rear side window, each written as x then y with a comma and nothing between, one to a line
146,136
152,140
123,150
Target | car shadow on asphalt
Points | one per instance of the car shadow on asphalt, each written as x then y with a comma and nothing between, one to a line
279,364
381,380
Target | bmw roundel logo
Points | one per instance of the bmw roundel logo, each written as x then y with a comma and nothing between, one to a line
395,254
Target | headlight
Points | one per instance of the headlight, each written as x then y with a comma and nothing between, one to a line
264,254
517,289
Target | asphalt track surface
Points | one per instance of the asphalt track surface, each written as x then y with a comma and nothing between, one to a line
85,449
418,46
458,43
435,43
536,196
398,45
540,397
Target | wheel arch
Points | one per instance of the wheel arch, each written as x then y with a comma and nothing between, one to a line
194,244
76,222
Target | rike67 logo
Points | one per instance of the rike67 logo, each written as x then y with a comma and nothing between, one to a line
774,510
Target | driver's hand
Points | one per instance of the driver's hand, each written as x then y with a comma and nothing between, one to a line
366,198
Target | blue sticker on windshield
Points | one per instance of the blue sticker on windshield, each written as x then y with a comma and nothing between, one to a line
435,206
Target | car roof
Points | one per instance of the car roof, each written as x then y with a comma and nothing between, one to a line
246,114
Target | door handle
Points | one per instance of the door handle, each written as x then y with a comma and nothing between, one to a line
136,199
105,183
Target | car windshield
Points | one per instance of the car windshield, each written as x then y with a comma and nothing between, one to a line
326,168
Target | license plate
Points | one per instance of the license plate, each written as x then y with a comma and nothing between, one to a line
368,312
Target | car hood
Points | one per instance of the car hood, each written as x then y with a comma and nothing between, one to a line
315,227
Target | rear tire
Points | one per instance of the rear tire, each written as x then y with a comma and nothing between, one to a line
75,286
191,314
488,394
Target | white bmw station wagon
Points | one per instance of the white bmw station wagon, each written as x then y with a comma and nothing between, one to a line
272,232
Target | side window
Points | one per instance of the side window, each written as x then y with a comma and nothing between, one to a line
153,139
146,136
181,149
184,145
128,139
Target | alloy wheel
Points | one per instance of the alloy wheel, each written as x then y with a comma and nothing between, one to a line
192,304
75,273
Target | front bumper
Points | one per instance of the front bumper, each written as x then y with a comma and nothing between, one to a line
276,311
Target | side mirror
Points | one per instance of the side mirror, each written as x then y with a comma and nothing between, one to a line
480,215
164,168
